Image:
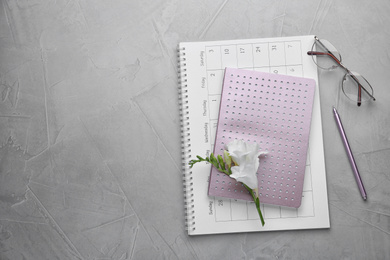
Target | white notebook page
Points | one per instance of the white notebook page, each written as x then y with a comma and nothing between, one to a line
204,67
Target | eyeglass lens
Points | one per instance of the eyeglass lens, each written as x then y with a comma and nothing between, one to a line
351,90
326,55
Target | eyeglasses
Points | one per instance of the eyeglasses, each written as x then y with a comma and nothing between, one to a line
354,86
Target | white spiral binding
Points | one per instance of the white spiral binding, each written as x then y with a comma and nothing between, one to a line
185,141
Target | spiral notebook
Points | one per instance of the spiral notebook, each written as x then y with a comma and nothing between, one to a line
201,72
274,111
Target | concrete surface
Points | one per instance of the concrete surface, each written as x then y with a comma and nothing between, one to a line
90,161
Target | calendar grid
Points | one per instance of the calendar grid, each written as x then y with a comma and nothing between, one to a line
274,57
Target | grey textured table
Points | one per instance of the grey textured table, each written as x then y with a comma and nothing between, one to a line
90,159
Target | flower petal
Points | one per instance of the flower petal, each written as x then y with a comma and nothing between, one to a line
246,159
245,174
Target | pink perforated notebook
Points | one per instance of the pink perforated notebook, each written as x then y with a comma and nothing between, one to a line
274,111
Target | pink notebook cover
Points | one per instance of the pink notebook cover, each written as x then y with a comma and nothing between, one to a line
274,111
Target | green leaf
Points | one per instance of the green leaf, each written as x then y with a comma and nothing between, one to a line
229,171
214,160
227,158
200,158
221,162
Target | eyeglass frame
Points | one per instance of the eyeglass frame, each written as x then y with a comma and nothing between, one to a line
348,72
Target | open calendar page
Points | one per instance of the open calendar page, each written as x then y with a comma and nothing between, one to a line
202,66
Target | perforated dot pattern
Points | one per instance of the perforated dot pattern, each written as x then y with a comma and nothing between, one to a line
275,112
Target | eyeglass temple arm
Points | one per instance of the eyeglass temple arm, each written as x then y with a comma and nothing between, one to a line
326,53
341,65
359,85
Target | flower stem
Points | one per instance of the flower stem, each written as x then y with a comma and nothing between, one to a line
257,202
222,167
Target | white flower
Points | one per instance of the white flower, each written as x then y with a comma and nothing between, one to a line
246,158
